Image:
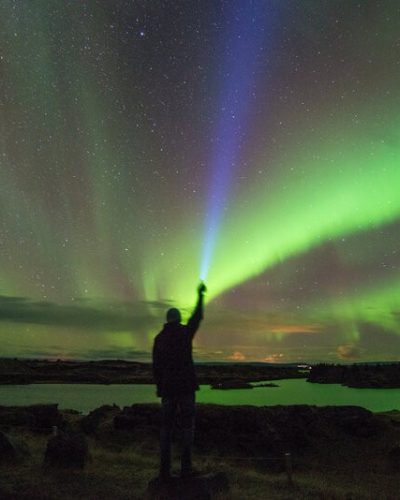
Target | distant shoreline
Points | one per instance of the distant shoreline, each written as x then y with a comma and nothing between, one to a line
23,371
368,376
220,375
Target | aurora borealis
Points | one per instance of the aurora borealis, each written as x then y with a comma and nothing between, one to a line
140,139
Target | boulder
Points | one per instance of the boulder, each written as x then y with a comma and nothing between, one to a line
194,488
393,458
91,422
7,450
66,450
124,422
13,416
37,417
245,430
294,425
260,431
44,417
138,416
352,420
358,426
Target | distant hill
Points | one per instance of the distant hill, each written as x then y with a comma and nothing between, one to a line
361,375
25,371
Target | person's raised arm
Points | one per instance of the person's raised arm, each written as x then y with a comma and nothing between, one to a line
197,315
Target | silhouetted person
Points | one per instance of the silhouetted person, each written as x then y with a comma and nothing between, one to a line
176,381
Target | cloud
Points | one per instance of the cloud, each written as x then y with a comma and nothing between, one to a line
349,352
81,353
299,328
90,315
237,356
157,303
116,352
274,358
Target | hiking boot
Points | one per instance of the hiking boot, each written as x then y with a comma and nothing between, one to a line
192,472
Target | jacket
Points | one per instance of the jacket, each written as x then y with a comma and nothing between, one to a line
173,367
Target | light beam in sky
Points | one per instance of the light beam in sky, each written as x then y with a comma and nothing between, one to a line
241,44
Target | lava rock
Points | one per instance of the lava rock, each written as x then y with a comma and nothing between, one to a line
91,422
360,427
138,416
394,459
352,420
66,450
44,417
7,450
37,417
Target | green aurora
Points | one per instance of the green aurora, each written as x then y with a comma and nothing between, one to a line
106,128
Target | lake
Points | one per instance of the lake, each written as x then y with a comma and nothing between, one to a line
86,397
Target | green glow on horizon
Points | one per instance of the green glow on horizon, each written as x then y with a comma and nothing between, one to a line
378,305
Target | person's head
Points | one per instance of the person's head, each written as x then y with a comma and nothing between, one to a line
173,315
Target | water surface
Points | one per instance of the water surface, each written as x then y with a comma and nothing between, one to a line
86,397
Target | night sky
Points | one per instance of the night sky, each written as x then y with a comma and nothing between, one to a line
253,143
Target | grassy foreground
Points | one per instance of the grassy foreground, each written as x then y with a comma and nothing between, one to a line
121,465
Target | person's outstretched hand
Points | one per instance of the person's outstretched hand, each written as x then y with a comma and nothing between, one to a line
201,288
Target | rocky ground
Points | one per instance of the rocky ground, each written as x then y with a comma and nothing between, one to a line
335,452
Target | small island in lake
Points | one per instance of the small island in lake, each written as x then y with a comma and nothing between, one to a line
267,384
231,384
239,384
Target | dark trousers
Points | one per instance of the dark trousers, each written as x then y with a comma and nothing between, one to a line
182,406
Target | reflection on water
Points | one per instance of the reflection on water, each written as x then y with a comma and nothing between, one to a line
86,397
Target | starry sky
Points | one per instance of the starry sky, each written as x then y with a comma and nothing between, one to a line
253,143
